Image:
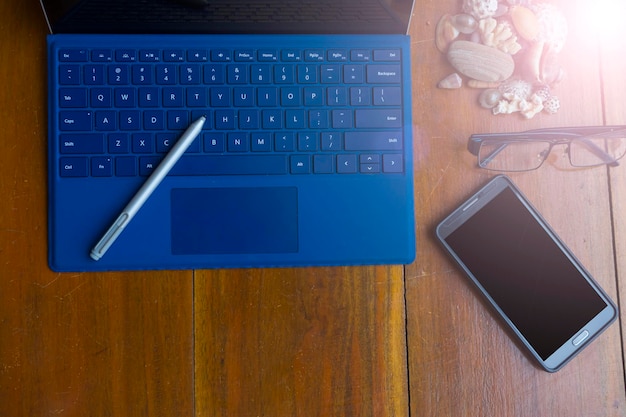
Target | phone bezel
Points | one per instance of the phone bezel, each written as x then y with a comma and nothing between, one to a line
473,205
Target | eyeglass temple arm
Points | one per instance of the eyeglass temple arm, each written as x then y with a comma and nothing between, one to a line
598,151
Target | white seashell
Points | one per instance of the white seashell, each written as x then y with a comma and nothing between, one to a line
480,8
451,81
480,62
445,33
465,23
489,98
552,25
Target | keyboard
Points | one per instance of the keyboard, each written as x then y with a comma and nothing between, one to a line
316,105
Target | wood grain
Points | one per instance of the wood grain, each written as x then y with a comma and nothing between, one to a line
353,341
301,342
461,361
116,344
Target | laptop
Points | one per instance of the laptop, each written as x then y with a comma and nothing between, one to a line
305,158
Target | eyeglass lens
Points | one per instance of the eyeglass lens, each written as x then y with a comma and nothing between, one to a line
512,155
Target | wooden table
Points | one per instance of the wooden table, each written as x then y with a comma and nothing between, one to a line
353,341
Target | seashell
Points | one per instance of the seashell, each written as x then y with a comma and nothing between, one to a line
552,25
445,33
480,62
516,89
465,23
482,84
531,65
451,81
480,9
552,105
550,70
489,98
525,22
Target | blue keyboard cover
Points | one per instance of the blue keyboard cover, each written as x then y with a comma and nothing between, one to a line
329,115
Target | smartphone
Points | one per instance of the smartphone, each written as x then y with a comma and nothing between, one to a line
532,280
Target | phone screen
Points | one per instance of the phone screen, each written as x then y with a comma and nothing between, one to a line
526,271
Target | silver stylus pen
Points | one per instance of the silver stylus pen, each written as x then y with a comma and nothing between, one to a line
147,188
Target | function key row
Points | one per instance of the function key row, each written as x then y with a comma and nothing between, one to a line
225,55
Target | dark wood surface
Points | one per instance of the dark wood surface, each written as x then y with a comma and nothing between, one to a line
353,341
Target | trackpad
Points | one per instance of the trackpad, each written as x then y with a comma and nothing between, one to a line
234,220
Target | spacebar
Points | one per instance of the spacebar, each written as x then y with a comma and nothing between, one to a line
231,165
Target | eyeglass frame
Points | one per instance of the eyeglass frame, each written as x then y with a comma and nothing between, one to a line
553,136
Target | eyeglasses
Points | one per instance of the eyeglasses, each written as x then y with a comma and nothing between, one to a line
526,151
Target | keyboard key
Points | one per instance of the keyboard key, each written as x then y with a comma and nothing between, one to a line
383,74
126,166
221,55
73,55
101,166
387,55
89,143
102,55
387,96
392,163
101,97
237,142
73,97
173,55
360,55
300,164
125,55
75,120
69,75
150,55
375,119
142,143
73,167
373,141
346,164
147,164
353,74
118,75
106,120
267,55
94,75
323,164
197,55
314,55
337,55
272,164
118,143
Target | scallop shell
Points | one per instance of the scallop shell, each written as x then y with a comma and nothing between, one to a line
480,62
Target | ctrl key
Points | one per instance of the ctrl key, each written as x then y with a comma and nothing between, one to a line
73,167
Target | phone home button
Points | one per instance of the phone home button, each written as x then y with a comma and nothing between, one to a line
580,338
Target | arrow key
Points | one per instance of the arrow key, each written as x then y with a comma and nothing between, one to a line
370,168
392,163
346,164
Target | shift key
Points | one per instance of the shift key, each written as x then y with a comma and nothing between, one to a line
378,118
373,141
